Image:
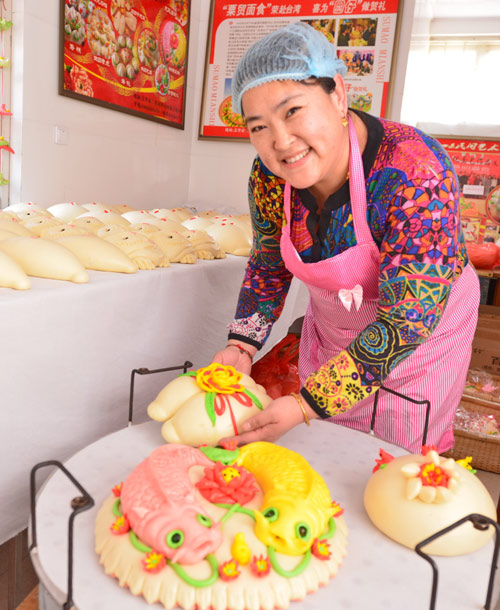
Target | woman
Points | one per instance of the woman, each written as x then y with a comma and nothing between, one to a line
365,212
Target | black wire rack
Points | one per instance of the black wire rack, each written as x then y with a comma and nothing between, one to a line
79,504
144,371
408,399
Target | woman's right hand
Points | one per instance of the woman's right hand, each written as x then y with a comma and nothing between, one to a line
231,355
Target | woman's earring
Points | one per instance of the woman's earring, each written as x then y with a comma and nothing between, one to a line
344,121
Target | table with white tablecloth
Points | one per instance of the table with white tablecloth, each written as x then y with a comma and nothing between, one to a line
67,352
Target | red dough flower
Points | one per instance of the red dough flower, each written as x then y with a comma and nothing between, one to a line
117,490
227,484
321,549
260,566
427,448
153,562
385,458
338,510
120,526
229,570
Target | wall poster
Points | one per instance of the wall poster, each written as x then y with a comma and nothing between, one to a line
364,32
127,55
477,163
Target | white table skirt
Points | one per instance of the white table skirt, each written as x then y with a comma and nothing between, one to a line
67,352
377,574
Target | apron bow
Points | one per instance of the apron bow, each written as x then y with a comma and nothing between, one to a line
348,296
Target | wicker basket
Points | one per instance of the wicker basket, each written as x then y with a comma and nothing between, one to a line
484,449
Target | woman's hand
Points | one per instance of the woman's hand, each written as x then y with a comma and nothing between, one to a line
236,357
275,420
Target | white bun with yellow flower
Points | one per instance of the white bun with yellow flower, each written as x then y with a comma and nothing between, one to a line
203,406
412,497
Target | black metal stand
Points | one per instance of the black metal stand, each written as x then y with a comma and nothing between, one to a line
78,504
479,522
144,371
415,402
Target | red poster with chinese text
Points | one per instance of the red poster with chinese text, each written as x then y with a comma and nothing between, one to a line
477,163
129,55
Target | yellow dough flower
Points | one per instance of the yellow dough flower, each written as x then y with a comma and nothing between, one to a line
219,378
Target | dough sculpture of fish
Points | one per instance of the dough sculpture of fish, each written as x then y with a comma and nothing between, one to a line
160,503
297,504
296,507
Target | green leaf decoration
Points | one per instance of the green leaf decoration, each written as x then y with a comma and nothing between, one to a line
254,399
217,454
5,25
210,406
188,374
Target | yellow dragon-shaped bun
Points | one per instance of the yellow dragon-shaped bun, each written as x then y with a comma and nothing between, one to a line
297,504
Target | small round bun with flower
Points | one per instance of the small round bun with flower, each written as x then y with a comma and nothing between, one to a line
412,497
201,407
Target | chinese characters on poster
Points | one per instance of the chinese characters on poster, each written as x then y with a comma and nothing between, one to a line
363,33
477,163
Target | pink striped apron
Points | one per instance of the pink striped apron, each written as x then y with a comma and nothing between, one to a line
436,370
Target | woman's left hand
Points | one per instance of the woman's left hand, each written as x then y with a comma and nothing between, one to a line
270,424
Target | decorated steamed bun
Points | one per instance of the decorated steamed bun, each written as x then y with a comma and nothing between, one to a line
206,405
412,497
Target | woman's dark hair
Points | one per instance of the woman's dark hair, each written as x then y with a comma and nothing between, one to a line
325,82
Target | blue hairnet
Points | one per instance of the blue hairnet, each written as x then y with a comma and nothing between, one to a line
295,52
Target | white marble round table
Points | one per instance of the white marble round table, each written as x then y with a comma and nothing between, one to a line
377,573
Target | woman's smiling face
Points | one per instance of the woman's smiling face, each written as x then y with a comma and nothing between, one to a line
297,132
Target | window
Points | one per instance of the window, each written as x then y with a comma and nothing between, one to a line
452,74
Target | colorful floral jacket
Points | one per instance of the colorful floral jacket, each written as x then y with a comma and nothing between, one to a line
413,212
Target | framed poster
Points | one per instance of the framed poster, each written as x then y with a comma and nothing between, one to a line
477,163
364,33
127,55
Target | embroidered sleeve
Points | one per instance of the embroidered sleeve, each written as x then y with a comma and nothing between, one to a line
267,280
422,251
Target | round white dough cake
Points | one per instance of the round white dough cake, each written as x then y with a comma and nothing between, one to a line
412,497
250,529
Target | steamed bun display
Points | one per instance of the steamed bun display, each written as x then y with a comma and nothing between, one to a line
412,497
206,405
114,238
43,258
12,275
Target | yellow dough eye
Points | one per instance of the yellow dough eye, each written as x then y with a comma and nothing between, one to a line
174,539
204,520
271,514
302,531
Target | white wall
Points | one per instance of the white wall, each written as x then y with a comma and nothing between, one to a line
111,156
114,157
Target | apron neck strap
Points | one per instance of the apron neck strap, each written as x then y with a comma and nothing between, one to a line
357,187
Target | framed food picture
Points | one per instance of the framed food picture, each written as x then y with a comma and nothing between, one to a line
365,36
126,55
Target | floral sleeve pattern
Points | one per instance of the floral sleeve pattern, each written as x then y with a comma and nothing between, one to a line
266,280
